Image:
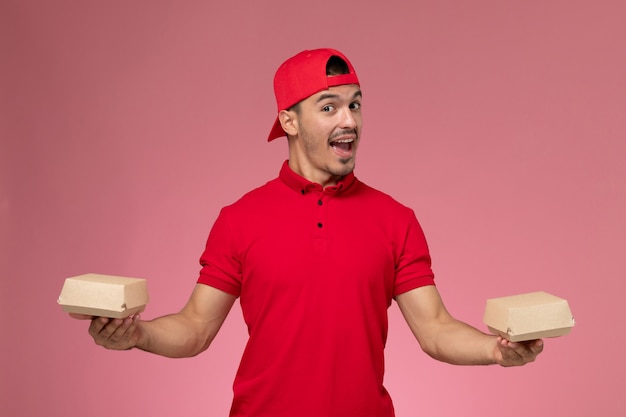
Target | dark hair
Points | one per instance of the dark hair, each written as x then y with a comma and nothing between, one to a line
336,66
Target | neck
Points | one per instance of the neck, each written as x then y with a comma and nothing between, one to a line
322,178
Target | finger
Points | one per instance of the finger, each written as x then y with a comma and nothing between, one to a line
529,348
506,345
108,334
111,329
121,332
536,346
509,353
96,326
518,347
131,333
511,356
523,352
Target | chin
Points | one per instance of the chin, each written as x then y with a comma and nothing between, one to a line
347,166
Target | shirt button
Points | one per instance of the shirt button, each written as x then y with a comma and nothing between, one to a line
319,225
319,202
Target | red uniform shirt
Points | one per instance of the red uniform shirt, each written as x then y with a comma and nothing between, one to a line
315,270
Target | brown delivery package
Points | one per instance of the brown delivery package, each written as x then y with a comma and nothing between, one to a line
104,295
528,316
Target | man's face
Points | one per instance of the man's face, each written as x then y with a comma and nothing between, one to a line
328,126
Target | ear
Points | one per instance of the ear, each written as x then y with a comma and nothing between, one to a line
289,121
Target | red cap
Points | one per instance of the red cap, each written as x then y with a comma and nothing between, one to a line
303,75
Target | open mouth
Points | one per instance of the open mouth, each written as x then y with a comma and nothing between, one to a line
342,146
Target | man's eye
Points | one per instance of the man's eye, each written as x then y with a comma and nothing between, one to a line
355,106
327,108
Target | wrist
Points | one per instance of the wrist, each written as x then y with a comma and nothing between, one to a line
493,355
143,336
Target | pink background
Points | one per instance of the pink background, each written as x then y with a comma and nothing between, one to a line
126,125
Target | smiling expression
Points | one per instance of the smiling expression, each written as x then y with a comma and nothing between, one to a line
323,132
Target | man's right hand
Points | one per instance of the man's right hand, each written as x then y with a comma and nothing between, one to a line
118,334
179,335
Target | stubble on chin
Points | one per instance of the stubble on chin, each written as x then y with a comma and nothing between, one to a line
346,168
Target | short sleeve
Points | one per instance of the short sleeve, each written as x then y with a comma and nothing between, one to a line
221,260
413,267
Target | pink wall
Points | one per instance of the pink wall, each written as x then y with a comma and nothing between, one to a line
126,125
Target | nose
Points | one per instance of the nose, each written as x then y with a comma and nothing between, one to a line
348,119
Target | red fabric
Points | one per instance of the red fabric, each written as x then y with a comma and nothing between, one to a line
316,271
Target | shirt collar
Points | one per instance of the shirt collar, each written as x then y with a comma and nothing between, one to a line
303,186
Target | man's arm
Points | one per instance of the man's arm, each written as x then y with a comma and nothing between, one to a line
449,340
184,334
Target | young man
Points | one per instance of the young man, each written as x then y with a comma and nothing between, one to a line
316,258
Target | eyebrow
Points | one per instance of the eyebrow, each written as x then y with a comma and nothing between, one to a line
329,95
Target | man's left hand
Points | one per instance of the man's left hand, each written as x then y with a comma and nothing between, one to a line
517,353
